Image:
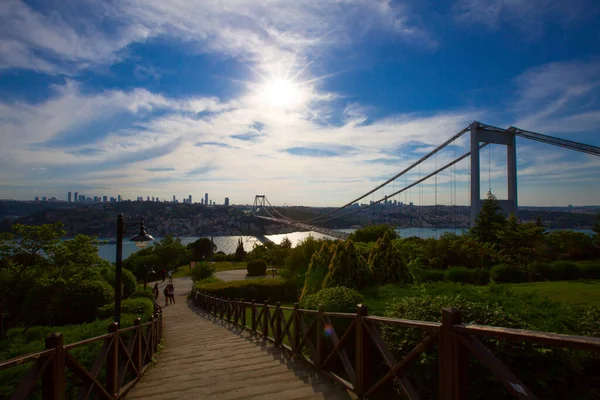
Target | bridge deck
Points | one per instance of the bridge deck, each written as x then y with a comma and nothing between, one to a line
204,359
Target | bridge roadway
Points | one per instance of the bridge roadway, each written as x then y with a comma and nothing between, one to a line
307,227
206,359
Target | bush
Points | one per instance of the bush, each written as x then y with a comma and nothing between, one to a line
79,302
143,294
141,307
482,276
202,271
563,271
259,290
347,268
432,275
504,273
317,269
128,281
336,299
386,263
256,267
211,279
461,275
372,233
590,271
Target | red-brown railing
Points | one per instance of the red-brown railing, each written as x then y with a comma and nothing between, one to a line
123,358
301,333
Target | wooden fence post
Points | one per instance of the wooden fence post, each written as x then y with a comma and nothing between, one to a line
361,357
265,329
453,359
243,311
278,323
297,330
53,381
137,346
253,305
319,338
112,362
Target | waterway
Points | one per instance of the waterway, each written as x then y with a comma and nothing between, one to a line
228,244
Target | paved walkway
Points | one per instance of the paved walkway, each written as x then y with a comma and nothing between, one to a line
205,359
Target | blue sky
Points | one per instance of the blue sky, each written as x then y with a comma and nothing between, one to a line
309,102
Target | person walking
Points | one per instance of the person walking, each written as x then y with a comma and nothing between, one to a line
156,292
166,294
171,288
164,272
170,275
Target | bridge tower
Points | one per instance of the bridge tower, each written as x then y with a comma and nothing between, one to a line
482,133
259,202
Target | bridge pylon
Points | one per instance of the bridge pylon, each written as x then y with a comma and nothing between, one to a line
259,203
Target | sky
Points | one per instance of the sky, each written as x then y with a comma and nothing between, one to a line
310,102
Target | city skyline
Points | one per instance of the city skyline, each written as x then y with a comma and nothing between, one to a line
309,103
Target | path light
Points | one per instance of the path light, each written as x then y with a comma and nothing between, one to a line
140,240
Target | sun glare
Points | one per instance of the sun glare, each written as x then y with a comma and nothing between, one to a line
281,93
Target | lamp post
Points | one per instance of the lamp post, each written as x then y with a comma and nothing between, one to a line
140,240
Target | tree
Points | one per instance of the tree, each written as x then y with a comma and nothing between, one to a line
489,221
286,243
240,252
318,269
348,268
386,262
596,229
372,233
202,248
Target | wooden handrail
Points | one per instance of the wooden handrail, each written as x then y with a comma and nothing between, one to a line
120,355
308,332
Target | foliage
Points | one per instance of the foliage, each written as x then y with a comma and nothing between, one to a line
461,275
256,267
520,243
590,271
202,271
504,273
551,373
372,233
348,268
386,263
489,221
143,294
210,279
167,254
432,275
259,290
138,306
240,252
563,271
298,260
286,243
317,269
128,282
569,245
202,249
482,276
335,299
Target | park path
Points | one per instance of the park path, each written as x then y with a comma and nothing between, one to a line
206,359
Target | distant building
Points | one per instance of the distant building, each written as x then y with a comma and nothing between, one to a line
105,199
201,201
82,198
174,198
113,200
119,198
206,198
69,197
190,199
37,198
75,198
226,201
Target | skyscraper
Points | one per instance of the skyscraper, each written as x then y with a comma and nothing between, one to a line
226,201
37,198
190,199
105,199
69,197
75,198
119,198
174,198
206,198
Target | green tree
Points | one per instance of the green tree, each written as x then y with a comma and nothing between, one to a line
372,233
518,243
202,248
297,262
489,221
286,243
386,262
348,268
240,252
318,269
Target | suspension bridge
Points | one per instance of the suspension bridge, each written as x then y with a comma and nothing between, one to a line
481,135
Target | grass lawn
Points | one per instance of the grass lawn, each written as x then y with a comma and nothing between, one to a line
184,270
574,292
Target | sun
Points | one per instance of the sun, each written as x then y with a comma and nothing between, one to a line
281,93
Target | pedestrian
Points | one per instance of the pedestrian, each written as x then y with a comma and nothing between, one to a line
166,294
172,293
170,275
156,292
164,273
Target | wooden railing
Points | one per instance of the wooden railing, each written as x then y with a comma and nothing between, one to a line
124,356
348,358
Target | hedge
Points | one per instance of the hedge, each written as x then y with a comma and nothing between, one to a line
140,306
335,299
256,267
259,290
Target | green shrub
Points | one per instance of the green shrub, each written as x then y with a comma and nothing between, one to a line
296,264
386,263
543,369
141,307
461,275
79,301
372,233
347,268
210,279
143,294
202,271
128,281
335,299
482,276
432,275
317,269
260,290
563,271
590,271
256,267
538,271
504,273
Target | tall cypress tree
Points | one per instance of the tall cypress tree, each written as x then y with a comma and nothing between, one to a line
489,221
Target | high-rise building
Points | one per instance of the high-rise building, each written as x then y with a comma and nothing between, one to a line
105,199
206,198
75,198
174,198
190,199
37,198
44,198
112,199
153,199
226,201
147,198
201,201
69,197
82,198
119,198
